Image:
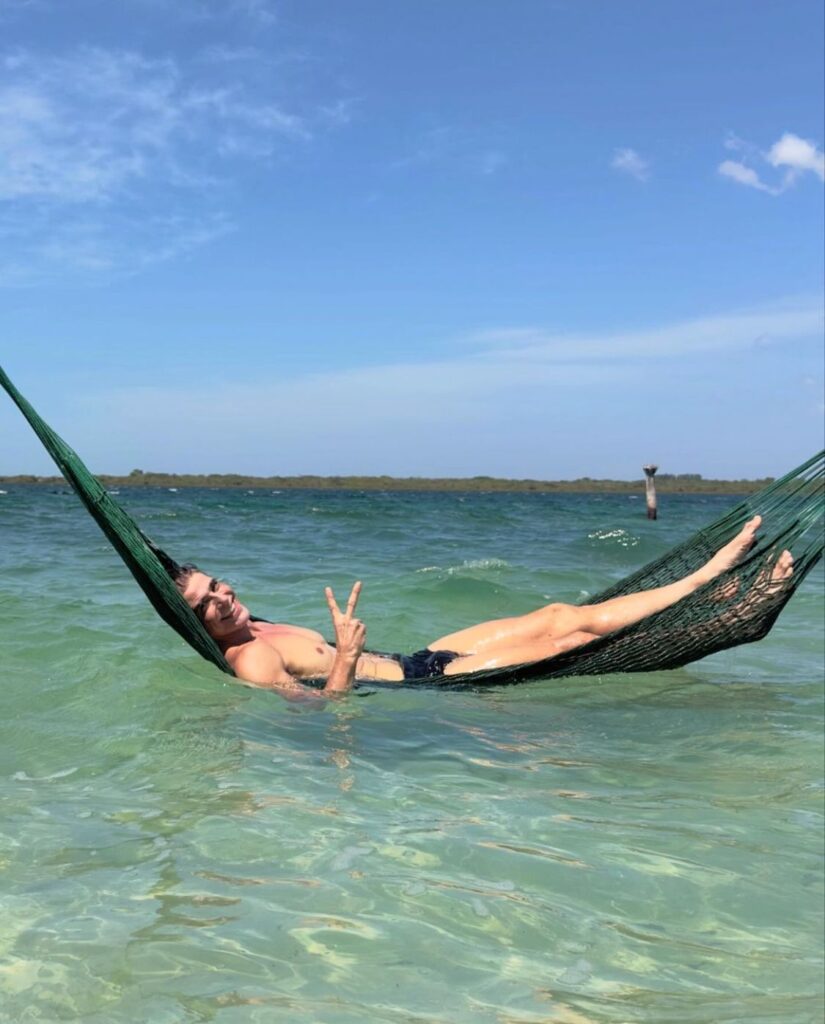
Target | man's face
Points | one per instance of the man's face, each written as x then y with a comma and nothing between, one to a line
215,604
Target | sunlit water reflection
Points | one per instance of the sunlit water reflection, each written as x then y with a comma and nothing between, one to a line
177,848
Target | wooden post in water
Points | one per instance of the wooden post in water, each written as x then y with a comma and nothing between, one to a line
650,491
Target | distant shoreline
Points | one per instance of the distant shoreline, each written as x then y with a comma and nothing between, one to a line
685,483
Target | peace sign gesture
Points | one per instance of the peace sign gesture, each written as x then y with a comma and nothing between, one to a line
350,633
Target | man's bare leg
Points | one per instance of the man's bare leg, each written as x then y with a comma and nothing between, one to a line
559,627
624,611
493,657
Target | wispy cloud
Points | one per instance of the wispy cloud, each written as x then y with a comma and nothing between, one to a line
454,147
629,162
504,373
10,8
745,175
260,11
724,333
107,140
339,113
359,408
793,155
219,53
37,249
492,161
261,14
87,126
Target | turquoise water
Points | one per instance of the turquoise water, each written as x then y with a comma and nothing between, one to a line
178,848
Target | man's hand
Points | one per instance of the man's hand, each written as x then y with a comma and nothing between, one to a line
350,636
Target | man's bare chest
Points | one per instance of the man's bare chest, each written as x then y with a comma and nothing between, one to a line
304,651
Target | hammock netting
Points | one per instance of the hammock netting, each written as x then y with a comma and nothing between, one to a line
737,607
144,559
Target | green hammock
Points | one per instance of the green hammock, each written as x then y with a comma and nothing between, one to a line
737,607
145,560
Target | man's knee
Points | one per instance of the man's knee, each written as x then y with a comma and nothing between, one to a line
560,619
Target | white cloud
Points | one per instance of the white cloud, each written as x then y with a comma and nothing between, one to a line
511,376
744,175
629,162
88,126
730,332
798,155
98,148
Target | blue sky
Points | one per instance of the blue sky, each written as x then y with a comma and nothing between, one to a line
416,237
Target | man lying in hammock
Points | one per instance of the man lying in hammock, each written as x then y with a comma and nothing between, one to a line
278,656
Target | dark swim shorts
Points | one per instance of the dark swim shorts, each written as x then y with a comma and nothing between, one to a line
424,664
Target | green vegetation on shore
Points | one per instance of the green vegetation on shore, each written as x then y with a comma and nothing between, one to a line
666,483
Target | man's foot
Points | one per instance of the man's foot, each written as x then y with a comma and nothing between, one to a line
733,552
782,571
769,581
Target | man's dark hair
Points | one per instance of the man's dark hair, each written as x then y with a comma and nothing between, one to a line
182,573
179,573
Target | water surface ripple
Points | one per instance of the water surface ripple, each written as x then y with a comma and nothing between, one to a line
177,848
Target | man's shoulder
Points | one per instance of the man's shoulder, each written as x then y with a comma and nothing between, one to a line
256,661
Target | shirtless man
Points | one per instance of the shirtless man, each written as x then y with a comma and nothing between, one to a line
279,656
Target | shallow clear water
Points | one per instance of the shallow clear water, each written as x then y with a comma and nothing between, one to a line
176,848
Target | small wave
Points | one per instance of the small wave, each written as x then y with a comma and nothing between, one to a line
474,564
470,563
484,563
25,777
4,492
617,536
